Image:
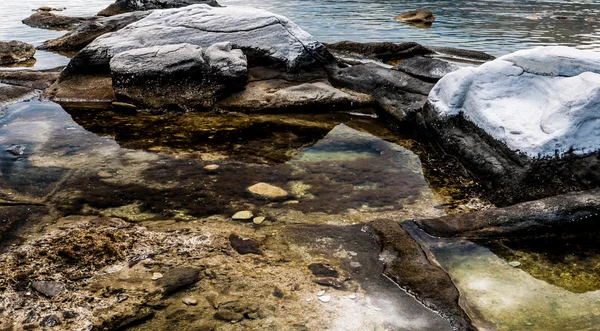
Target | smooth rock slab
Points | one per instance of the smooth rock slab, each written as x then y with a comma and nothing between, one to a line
15,52
426,68
48,288
265,38
541,102
267,191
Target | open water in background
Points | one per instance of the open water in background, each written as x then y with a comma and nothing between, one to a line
494,26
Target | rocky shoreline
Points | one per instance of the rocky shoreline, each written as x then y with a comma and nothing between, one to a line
109,259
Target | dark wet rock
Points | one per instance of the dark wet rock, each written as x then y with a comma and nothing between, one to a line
69,314
84,33
12,94
426,68
183,74
574,209
461,54
15,51
50,321
413,270
330,283
125,6
244,245
78,88
323,270
48,20
397,93
178,278
278,293
127,317
381,51
264,37
228,316
32,79
48,288
16,150
17,216
416,16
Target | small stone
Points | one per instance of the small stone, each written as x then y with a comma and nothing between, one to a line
323,270
267,191
514,264
291,202
244,245
124,105
258,220
190,302
325,298
157,276
48,288
321,293
308,300
278,293
122,297
50,321
211,167
243,215
354,264
352,296
228,315
178,278
45,8
16,150
69,314
331,283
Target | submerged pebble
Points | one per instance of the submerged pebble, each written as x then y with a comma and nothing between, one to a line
190,302
243,215
514,264
352,296
325,298
258,220
211,167
16,150
321,293
157,276
267,191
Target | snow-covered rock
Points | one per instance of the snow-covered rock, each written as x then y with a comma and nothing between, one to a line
265,38
541,102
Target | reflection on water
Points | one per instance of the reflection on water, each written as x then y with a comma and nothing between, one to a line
498,296
494,26
78,172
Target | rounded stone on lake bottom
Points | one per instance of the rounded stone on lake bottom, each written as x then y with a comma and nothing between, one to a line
353,296
514,264
157,276
258,220
325,298
243,215
211,167
190,302
321,293
267,191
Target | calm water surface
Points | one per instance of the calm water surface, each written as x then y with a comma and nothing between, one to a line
494,26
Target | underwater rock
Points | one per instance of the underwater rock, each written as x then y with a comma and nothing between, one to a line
416,16
15,51
228,315
572,209
525,124
124,6
400,95
48,288
48,20
264,37
84,33
244,245
412,270
426,68
190,302
29,78
243,215
330,283
12,94
323,270
381,51
267,191
178,278
258,220
16,150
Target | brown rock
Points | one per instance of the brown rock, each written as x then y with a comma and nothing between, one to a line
178,278
244,245
48,288
15,51
267,191
32,79
416,16
48,20
228,315
323,270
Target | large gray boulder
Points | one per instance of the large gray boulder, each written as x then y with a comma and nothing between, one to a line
264,37
84,33
181,75
15,51
125,6
527,122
